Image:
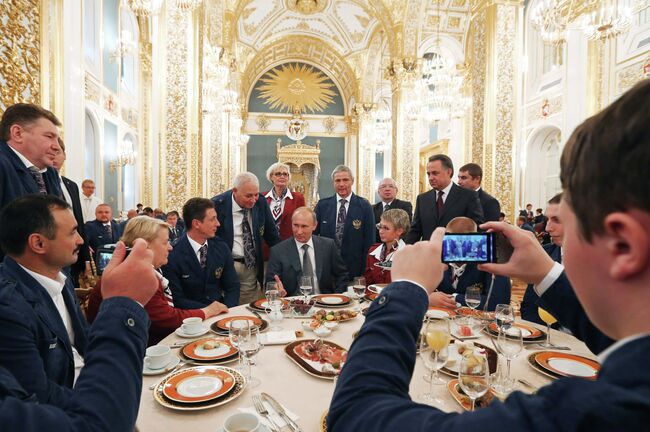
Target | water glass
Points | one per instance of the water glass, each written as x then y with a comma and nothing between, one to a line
237,332
510,343
473,296
473,376
249,346
504,315
359,287
275,315
306,286
272,293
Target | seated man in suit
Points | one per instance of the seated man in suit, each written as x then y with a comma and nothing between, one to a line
458,277
444,202
387,191
129,215
200,268
244,219
43,335
103,230
306,255
469,177
522,223
607,258
348,220
175,231
114,359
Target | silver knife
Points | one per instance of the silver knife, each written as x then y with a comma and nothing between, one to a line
278,408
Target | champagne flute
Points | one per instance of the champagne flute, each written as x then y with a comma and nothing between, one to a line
473,376
249,346
510,343
359,287
306,286
434,351
473,296
236,333
548,319
505,316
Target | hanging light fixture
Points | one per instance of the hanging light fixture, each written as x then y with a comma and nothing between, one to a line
548,18
188,5
613,18
140,8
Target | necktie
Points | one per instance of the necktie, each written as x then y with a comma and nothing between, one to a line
174,232
38,178
439,202
307,269
203,255
249,246
109,231
386,206
340,223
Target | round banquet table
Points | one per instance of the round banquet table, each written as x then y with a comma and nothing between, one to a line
305,395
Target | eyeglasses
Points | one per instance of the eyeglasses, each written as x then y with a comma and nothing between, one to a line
381,227
281,174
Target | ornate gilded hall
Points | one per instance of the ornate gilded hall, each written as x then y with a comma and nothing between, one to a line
162,100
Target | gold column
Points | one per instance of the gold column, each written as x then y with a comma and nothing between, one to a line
478,76
20,52
366,155
145,162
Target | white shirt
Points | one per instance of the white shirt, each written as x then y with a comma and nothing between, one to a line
284,198
237,234
65,192
88,206
386,204
54,288
26,161
312,258
446,192
196,247
377,251
347,204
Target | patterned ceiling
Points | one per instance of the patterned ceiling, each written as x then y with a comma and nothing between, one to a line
453,17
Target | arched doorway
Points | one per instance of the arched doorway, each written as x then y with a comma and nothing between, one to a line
542,173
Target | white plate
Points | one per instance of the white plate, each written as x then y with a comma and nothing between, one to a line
375,288
331,300
262,428
218,351
179,332
199,386
572,367
435,313
171,365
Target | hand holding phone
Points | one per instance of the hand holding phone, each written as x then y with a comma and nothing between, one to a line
469,248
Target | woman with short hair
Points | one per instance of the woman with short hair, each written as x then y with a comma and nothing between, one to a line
392,226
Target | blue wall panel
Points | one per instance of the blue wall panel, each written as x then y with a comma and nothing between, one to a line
111,34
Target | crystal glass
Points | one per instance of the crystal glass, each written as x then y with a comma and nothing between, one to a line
473,296
434,352
505,316
359,287
249,346
549,320
237,332
275,315
272,293
306,286
473,376
510,343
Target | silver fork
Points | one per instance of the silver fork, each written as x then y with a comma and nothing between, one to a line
177,367
261,410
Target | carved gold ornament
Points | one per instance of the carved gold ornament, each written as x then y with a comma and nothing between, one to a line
307,7
296,85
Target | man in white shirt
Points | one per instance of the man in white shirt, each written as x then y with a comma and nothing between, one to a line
89,202
44,349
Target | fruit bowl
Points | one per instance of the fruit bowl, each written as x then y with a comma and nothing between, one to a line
301,308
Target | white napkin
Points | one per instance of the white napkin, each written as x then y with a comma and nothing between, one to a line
278,337
279,421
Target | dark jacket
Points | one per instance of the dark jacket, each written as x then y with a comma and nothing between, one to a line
490,205
378,209
473,276
84,251
97,235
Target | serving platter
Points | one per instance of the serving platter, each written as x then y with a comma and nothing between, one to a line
296,352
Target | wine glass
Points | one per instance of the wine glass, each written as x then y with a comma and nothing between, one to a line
548,319
434,351
249,346
306,286
271,293
359,287
504,315
237,333
473,296
510,343
473,376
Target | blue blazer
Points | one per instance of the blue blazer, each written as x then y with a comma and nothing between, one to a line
180,232
113,361
358,232
193,287
530,301
473,276
376,380
34,344
263,226
97,236
490,205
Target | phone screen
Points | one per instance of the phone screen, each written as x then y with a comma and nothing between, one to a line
469,248
103,257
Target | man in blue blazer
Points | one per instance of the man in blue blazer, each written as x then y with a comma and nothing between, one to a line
287,259
175,230
28,146
469,177
245,219
107,394
43,335
607,258
103,230
200,268
349,220
444,202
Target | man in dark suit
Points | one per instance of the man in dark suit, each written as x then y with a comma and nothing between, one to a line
244,219
200,268
129,215
469,177
175,231
43,335
28,146
387,191
103,230
120,333
443,203
307,255
348,220
71,195
608,262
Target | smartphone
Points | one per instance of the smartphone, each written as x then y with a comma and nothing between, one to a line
104,255
469,248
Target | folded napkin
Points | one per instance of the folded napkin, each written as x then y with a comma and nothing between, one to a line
278,337
279,421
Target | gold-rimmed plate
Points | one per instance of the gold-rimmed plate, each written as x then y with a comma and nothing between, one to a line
209,349
222,326
567,364
262,304
528,333
464,400
453,362
200,384
332,300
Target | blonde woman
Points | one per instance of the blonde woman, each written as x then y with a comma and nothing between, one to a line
392,226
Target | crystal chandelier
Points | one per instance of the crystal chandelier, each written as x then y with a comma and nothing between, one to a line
548,18
441,90
140,8
614,17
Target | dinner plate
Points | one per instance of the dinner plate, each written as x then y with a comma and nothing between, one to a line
528,333
566,364
262,428
376,288
169,366
464,400
314,368
222,327
332,300
180,332
199,384
262,304
453,361
197,351
439,312
236,391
